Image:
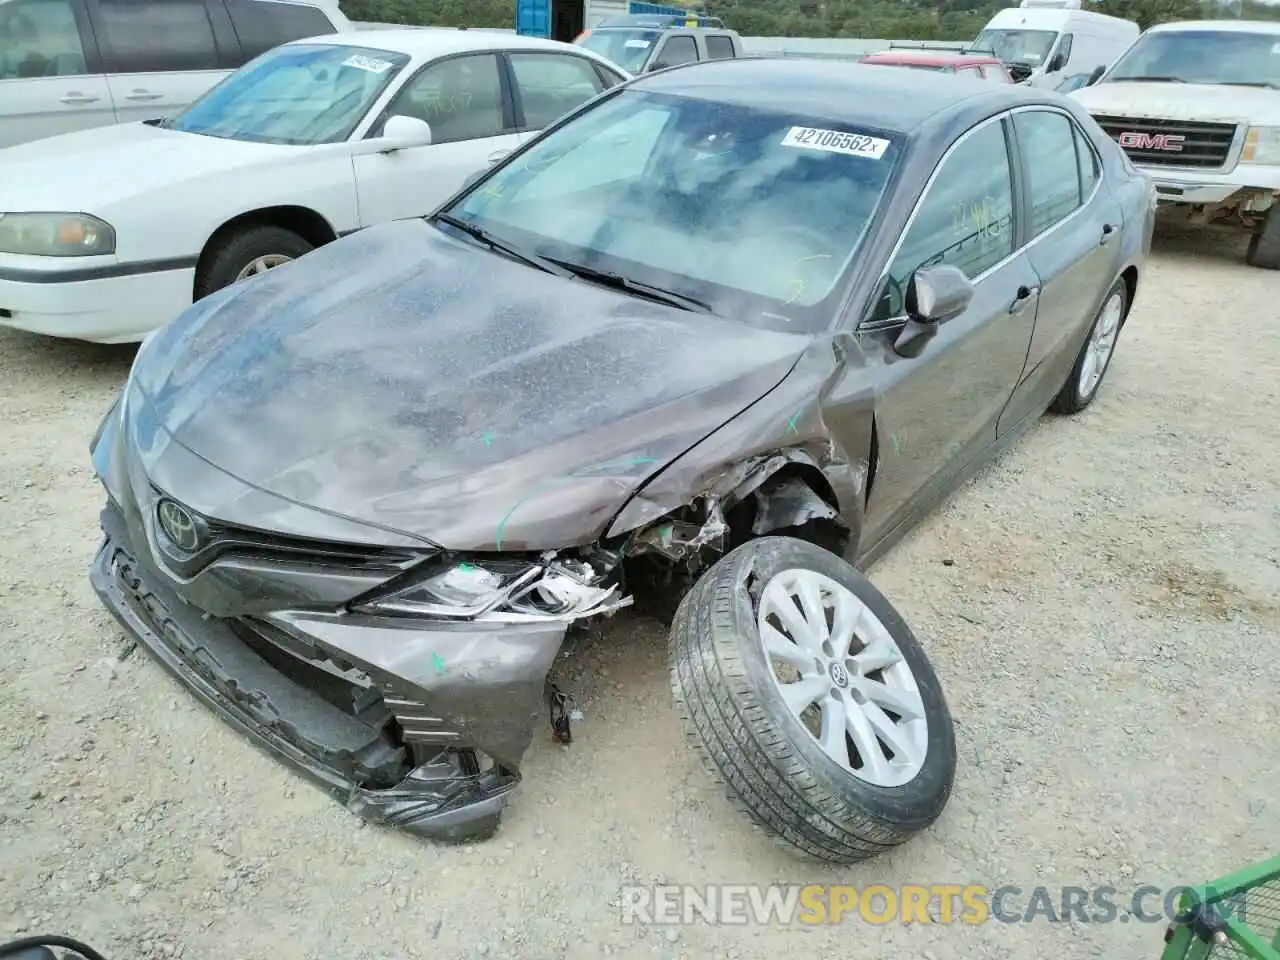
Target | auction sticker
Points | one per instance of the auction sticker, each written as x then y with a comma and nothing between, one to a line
367,63
836,141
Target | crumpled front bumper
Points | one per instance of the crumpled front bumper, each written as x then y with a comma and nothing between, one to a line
384,713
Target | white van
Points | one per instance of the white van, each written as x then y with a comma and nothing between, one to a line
1047,42
68,65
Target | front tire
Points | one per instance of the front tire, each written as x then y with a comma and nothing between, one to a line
1264,246
245,253
846,762
1095,355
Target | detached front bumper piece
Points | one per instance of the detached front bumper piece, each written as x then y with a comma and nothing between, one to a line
386,715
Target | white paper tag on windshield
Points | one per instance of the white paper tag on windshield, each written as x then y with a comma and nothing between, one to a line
836,141
637,44
367,63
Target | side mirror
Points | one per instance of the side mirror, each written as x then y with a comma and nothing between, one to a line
934,295
1095,76
401,133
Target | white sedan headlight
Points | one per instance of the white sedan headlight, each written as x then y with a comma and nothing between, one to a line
1262,145
55,235
499,589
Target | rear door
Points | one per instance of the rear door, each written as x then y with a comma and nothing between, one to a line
719,46
936,412
546,86
51,77
1073,233
160,55
262,25
467,102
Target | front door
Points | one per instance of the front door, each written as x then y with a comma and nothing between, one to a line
466,101
938,411
1073,229
50,80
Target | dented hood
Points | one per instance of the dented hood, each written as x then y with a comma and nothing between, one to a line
419,383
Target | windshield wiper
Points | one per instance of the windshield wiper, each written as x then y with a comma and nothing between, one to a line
1145,80
489,240
618,282
1262,84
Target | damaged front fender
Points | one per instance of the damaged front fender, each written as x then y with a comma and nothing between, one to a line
787,428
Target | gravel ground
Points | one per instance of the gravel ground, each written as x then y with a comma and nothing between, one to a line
1101,606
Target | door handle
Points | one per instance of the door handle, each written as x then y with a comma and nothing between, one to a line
144,95
1108,231
1025,296
75,98
497,155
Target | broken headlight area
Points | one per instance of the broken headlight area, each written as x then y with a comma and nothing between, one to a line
550,587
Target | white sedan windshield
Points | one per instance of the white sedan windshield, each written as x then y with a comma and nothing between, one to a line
757,214
301,94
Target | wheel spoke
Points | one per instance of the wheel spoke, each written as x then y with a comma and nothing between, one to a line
904,751
844,624
877,655
779,601
802,693
905,703
815,614
780,648
834,727
875,765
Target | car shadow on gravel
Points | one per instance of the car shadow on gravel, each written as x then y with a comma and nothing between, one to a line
37,355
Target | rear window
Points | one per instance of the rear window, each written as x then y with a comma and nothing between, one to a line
263,24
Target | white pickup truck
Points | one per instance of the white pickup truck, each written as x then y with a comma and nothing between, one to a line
1196,105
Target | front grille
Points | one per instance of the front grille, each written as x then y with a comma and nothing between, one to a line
1171,143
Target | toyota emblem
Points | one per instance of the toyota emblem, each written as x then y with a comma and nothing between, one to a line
178,525
839,675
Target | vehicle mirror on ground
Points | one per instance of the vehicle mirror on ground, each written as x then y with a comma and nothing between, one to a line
400,133
934,295
1094,77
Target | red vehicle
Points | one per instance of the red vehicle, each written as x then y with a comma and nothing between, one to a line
981,66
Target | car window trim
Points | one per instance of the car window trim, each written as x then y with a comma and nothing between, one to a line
380,115
517,95
1076,134
1004,119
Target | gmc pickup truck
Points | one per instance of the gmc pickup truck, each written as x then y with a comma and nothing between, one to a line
1196,105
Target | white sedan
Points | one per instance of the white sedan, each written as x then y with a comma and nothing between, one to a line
107,234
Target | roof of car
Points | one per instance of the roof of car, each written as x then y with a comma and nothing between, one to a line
1226,26
940,59
434,42
891,100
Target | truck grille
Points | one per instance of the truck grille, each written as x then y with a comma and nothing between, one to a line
1171,143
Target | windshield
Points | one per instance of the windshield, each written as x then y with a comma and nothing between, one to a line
627,48
1203,56
301,94
756,214
1018,46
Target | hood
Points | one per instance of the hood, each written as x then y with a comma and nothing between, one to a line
83,171
424,385
1181,101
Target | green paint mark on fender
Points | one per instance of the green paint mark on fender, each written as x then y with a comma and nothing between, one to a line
437,661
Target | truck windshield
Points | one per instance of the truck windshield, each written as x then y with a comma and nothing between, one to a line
756,214
627,48
1030,47
1231,57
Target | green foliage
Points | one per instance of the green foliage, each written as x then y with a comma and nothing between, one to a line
880,19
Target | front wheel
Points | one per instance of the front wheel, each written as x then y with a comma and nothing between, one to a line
811,701
1095,356
247,253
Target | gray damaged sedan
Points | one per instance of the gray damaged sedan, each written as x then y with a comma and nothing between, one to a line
723,334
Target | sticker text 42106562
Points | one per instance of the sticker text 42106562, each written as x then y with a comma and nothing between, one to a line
836,141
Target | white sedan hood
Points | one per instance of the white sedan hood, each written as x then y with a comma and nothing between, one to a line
86,171
1181,101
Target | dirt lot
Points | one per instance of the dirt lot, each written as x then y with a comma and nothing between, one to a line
1101,604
